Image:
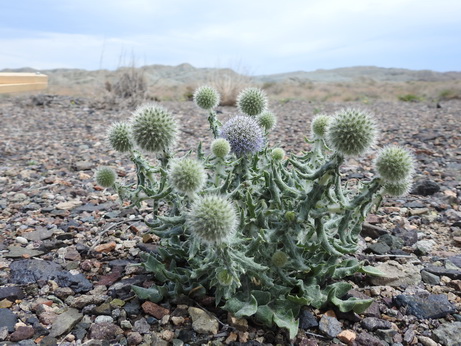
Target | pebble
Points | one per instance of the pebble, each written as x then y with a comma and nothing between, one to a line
22,333
66,321
7,319
426,306
104,331
347,336
330,326
448,333
103,319
396,274
373,323
154,310
202,322
21,240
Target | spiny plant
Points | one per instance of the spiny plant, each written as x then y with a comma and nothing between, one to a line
262,231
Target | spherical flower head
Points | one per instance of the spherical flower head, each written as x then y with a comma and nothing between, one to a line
252,101
267,120
278,154
279,259
187,175
351,132
394,163
105,177
153,128
224,277
119,136
397,188
220,147
212,219
319,125
244,135
206,97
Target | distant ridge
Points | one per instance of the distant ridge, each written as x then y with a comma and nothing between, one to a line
186,74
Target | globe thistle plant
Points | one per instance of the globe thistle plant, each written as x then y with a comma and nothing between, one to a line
278,154
252,101
212,219
220,147
119,136
187,175
105,177
244,135
267,120
397,188
394,163
154,129
319,125
206,97
351,132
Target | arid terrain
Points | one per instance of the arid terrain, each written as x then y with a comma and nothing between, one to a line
69,250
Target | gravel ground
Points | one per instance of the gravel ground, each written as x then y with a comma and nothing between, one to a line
68,249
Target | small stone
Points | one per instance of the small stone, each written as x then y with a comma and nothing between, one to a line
373,323
167,335
426,306
430,278
307,320
7,319
448,333
347,336
134,338
425,341
396,274
103,319
107,247
365,339
3,333
202,322
125,324
386,335
21,240
22,333
104,331
177,320
68,205
22,252
154,310
238,323
141,326
231,338
5,304
11,293
65,322
330,326
425,188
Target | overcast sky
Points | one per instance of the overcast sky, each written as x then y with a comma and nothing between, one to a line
252,36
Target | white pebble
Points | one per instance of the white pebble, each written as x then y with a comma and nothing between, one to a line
21,240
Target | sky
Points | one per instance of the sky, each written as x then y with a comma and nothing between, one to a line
251,36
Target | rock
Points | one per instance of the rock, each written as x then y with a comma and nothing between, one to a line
154,310
88,299
141,326
425,188
202,322
39,234
32,270
83,165
5,304
409,236
240,324
307,320
7,319
330,326
132,308
49,341
426,306
107,247
22,252
456,260
21,240
373,323
386,335
425,341
65,322
134,338
448,334
11,293
104,331
372,231
186,335
430,278
68,205
454,274
104,308
22,333
423,247
365,339
347,336
379,248
103,319
396,274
